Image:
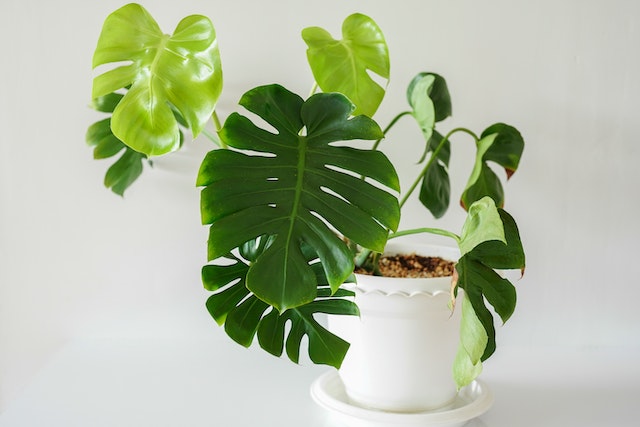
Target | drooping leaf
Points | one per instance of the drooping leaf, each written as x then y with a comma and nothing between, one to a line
104,142
323,346
483,224
499,143
244,316
498,255
124,171
288,193
507,147
473,341
243,321
444,153
485,247
343,65
430,102
435,192
162,72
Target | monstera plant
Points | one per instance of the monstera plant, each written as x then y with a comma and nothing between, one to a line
295,206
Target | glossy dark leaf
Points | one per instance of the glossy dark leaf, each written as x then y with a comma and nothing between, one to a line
324,347
244,316
301,181
242,322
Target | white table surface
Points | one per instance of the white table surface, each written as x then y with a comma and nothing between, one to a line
139,382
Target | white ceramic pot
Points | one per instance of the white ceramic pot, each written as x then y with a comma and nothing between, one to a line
404,343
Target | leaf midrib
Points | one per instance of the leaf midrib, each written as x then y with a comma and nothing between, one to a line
302,149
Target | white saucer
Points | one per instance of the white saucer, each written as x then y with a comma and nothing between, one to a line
328,392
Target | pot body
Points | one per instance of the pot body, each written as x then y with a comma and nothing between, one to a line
404,343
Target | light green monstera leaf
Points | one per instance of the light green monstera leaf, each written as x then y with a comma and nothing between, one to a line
490,240
162,74
301,189
344,65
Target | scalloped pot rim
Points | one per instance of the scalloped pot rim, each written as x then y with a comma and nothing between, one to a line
408,287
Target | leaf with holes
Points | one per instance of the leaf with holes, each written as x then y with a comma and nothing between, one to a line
343,65
105,144
482,253
162,73
299,190
244,316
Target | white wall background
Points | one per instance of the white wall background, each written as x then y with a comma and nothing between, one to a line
78,262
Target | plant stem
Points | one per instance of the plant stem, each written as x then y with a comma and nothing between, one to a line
218,126
437,231
314,88
389,126
434,155
211,136
361,258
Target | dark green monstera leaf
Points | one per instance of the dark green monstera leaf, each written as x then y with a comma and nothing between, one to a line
105,144
490,241
435,189
245,316
162,72
501,144
299,189
343,65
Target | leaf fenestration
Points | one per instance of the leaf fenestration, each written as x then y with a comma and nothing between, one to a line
300,192
343,65
162,73
245,317
483,251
